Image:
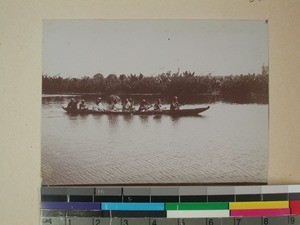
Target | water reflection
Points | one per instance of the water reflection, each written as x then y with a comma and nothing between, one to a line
144,119
113,120
76,116
127,118
157,118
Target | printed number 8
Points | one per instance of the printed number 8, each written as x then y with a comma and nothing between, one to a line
266,221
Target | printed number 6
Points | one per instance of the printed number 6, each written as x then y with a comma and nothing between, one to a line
211,222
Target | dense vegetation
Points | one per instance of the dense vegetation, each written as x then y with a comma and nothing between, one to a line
168,84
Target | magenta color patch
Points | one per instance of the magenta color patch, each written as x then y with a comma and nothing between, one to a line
260,212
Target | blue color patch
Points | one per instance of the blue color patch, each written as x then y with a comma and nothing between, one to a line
71,205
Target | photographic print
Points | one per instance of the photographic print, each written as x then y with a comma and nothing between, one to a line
154,102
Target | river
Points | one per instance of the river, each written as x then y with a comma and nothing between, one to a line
227,143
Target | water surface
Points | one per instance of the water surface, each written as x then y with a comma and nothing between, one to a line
227,143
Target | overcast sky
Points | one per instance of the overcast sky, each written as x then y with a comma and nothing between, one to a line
75,48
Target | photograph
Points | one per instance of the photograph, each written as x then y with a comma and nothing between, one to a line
150,102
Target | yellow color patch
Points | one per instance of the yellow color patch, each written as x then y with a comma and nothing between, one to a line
259,205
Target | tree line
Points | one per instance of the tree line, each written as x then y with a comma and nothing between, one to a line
186,83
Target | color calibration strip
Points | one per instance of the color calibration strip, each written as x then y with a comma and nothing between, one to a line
210,205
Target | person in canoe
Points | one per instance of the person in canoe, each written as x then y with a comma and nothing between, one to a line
82,104
158,106
72,104
175,104
99,104
114,106
144,106
131,104
126,106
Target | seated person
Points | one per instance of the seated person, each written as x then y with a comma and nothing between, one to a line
126,105
72,104
113,106
82,105
175,105
99,104
144,106
157,106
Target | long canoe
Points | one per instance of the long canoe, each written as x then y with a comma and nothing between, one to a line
180,112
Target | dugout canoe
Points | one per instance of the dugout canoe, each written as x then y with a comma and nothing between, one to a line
181,112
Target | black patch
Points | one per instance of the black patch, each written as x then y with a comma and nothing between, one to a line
107,199
54,198
136,198
189,198
248,198
164,198
275,197
221,198
81,198
294,196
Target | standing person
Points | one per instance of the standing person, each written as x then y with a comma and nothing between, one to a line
126,105
82,105
144,106
157,106
99,104
175,104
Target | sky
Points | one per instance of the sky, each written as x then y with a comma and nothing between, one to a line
76,48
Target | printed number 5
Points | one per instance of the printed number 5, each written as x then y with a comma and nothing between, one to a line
182,222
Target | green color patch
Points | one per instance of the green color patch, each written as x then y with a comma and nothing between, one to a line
197,206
